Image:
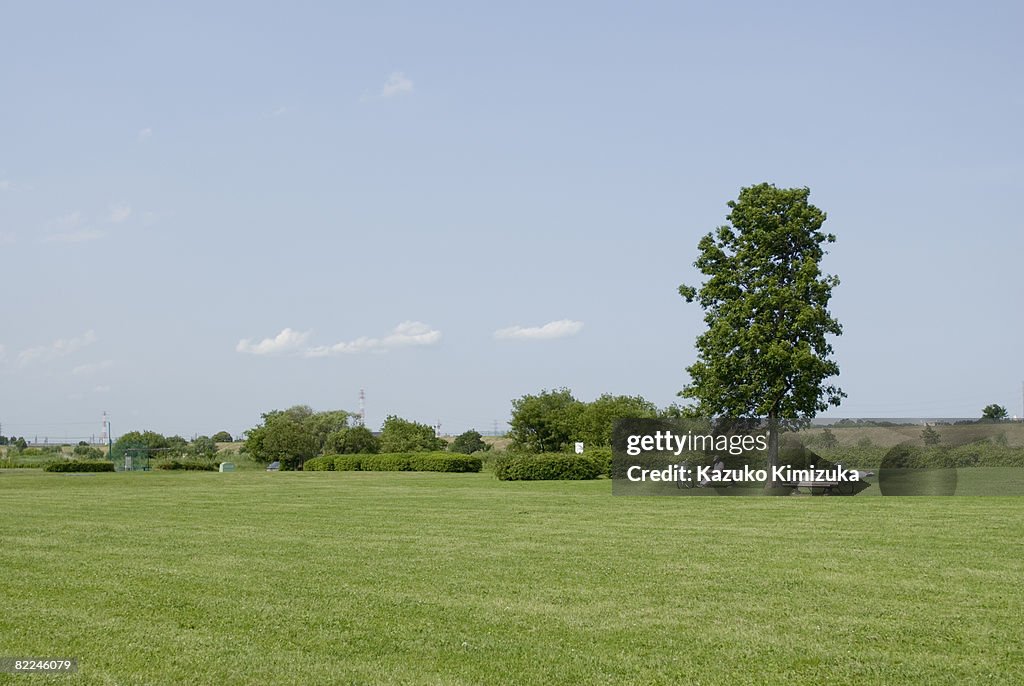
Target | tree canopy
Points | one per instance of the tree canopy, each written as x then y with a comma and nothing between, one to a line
551,421
598,416
403,436
294,435
202,446
766,351
545,422
994,412
353,440
468,442
146,444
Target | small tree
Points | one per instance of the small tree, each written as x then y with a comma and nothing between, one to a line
87,452
143,445
176,447
403,436
468,443
994,412
351,441
766,351
828,439
546,422
289,442
294,435
323,424
598,417
222,437
203,446
930,436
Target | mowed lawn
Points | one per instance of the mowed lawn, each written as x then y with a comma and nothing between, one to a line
376,578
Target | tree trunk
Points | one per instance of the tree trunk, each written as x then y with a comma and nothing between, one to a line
773,448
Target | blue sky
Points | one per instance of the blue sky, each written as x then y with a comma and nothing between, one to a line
206,213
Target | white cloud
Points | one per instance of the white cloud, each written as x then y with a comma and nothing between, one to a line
59,348
145,134
120,212
5,185
397,84
406,334
7,238
556,329
101,389
286,341
92,367
81,236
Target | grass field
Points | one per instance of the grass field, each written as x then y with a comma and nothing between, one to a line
364,578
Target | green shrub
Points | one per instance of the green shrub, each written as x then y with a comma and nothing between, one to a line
187,465
548,466
387,462
602,455
908,456
347,463
319,464
978,455
444,462
409,462
79,466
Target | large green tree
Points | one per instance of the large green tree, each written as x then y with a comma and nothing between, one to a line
546,422
323,424
403,436
294,435
353,440
594,426
289,442
766,351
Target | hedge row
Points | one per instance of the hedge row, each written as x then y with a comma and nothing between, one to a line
938,457
602,455
396,462
188,465
79,466
319,464
347,463
549,466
